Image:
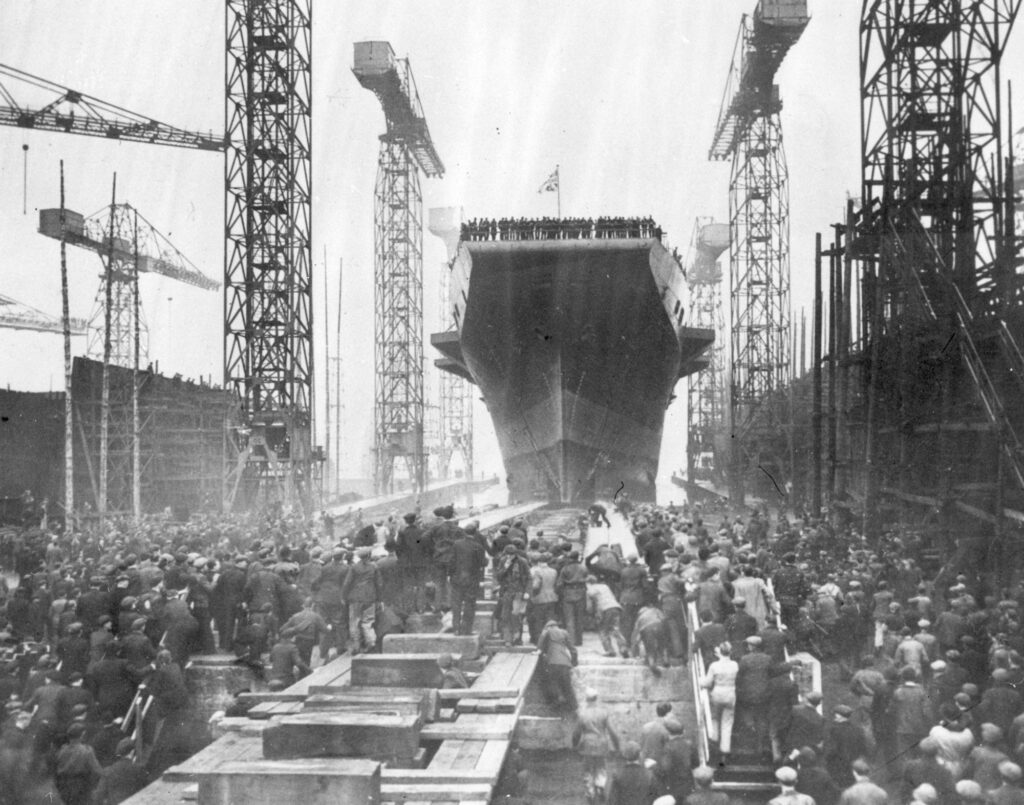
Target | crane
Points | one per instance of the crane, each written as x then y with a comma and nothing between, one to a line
95,118
268,330
405,149
122,236
749,133
15,315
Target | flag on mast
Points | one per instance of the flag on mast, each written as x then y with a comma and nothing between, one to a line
551,183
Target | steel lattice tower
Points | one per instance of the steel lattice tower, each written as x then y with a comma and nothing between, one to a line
405,149
398,296
706,389
936,235
268,294
456,399
749,134
758,284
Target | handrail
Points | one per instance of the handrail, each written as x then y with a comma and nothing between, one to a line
701,700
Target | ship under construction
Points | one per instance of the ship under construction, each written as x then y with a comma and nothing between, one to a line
575,332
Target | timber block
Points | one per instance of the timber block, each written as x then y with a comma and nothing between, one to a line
383,697
325,734
396,670
466,646
309,781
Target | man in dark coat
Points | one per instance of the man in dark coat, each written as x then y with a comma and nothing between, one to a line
112,683
362,594
708,637
752,691
77,769
327,594
571,587
844,743
806,725
813,780
228,593
1000,704
415,552
74,651
791,588
741,625
264,587
123,778
467,563
632,783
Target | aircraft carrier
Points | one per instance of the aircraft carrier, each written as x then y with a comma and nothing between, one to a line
575,333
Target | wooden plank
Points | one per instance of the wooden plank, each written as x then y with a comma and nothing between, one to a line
492,759
474,692
224,750
499,671
445,755
524,673
469,754
397,777
434,792
471,727
270,696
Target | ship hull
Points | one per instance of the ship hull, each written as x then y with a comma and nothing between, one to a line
576,346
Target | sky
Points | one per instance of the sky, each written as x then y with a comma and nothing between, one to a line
622,95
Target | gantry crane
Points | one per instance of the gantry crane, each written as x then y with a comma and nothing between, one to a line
706,391
129,246
15,315
95,118
405,148
749,133
268,358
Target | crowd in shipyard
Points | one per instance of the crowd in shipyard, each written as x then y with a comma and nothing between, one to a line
559,228
926,708
922,704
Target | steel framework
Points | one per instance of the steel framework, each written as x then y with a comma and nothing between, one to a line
268,268
456,399
938,245
706,389
406,147
749,133
398,334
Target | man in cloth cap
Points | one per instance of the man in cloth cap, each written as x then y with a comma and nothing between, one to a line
786,776
844,744
594,738
361,591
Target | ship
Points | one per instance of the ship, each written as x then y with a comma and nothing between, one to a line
574,332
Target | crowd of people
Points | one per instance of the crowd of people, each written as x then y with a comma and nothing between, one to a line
922,701
924,679
559,228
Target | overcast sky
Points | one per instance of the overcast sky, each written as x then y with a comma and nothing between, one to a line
622,94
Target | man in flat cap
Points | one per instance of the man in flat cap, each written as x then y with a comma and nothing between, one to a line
786,777
752,691
361,591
